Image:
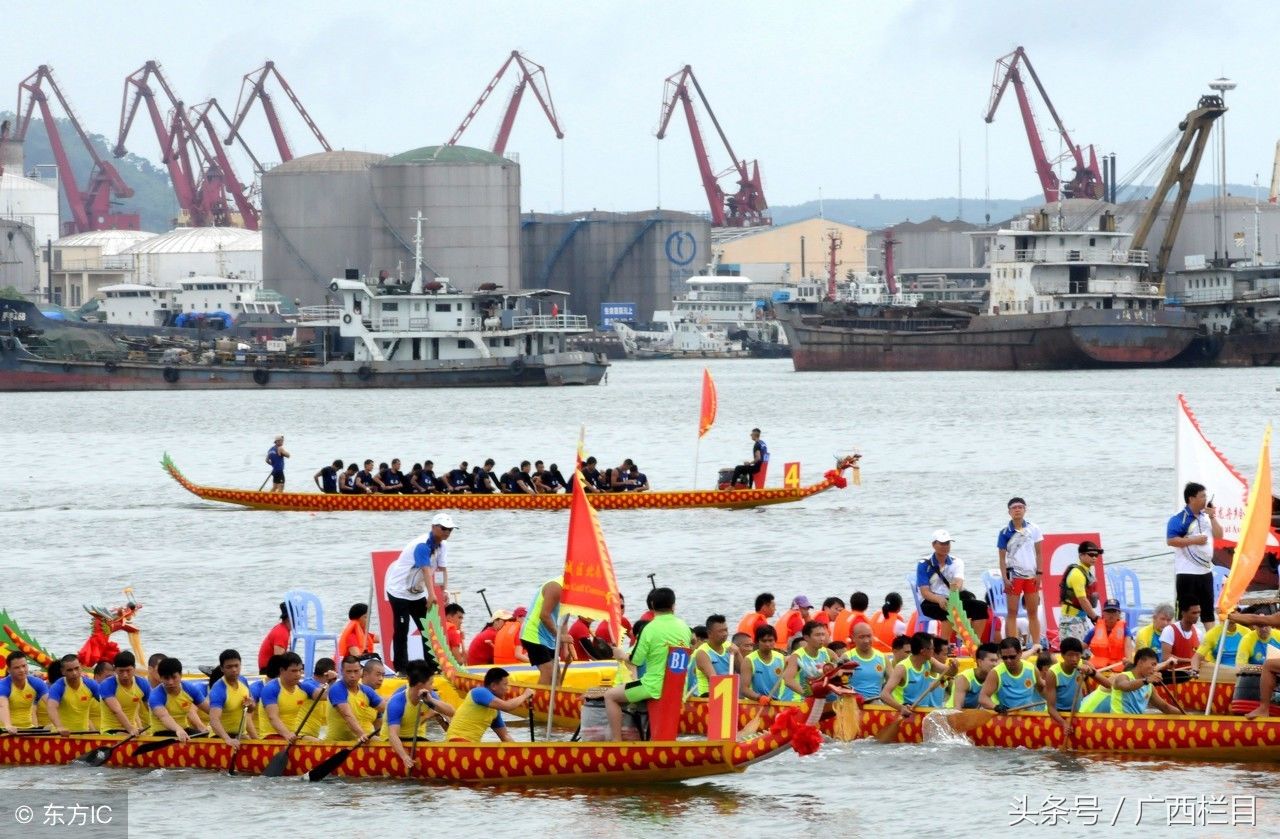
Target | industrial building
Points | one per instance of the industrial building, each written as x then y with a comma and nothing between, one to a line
315,221
17,256
639,260
32,201
789,253
85,262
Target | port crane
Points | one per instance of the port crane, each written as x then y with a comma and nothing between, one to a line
1087,181
91,207
253,88
1180,172
532,76
203,184
744,208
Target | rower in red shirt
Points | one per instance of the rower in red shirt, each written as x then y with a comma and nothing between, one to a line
480,650
277,640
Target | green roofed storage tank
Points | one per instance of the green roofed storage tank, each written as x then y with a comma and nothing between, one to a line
471,201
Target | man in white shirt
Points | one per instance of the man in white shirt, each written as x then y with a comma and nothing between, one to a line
410,585
1018,545
1191,533
937,575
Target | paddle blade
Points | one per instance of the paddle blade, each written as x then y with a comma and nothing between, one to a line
325,768
97,757
753,726
147,748
277,765
962,722
889,733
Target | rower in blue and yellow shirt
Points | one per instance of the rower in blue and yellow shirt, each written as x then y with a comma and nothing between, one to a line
123,695
353,706
916,681
482,707
968,684
1254,646
175,704
809,660
231,702
1132,691
20,694
762,671
72,702
873,666
1012,684
714,657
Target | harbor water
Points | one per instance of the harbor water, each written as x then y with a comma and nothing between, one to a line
87,511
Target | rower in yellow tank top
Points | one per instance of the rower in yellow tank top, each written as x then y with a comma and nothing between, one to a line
73,700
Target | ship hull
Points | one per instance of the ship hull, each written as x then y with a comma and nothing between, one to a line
1067,340
1232,349
22,371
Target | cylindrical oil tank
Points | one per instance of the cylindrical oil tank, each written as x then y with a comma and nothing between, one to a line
470,199
316,212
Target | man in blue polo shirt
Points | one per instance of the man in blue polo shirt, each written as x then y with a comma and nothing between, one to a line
937,575
275,459
1191,533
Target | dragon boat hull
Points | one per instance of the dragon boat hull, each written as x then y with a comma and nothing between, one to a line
315,502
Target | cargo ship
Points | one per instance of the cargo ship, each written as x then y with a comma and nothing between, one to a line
1060,299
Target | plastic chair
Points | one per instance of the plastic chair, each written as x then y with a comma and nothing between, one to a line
306,622
997,596
1122,584
1219,580
761,474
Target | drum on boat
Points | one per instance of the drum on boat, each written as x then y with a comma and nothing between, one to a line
593,726
1248,689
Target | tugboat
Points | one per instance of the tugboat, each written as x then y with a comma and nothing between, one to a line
380,335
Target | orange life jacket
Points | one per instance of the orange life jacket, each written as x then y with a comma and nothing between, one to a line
783,626
751,622
506,642
1107,647
354,635
882,628
845,622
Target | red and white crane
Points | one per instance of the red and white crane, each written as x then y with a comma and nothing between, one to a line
532,76
90,207
744,208
203,180
253,88
1087,181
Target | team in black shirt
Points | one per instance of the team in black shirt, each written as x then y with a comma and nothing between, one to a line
527,478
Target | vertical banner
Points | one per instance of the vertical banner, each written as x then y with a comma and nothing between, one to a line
722,708
1058,551
381,606
664,712
790,475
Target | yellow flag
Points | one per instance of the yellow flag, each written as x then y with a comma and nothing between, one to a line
1253,533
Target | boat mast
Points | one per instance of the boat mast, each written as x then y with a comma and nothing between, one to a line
416,288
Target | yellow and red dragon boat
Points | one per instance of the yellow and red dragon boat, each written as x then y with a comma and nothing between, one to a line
316,502
1182,736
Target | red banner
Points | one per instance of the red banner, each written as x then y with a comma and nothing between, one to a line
386,621
1057,552
707,416
590,587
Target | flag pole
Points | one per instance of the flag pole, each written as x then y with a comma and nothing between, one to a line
555,672
1217,662
697,448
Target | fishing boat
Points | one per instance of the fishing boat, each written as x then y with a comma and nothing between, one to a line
556,763
315,502
1181,736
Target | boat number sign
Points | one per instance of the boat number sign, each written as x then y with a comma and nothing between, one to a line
9,314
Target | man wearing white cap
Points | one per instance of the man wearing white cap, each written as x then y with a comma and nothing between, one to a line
939,574
410,584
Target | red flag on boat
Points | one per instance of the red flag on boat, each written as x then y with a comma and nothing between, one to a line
1255,528
590,587
707,417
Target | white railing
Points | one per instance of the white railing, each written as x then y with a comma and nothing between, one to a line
309,314
549,322
1095,255
730,296
1206,295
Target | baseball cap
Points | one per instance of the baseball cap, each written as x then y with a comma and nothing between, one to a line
444,520
942,535
1089,545
801,602
1112,605
503,615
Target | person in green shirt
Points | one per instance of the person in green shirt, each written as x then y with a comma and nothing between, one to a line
650,658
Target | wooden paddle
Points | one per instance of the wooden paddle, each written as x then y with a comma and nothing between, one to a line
962,722
532,738
276,766
1075,709
890,732
1169,695
417,727
148,748
235,750
27,732
102,754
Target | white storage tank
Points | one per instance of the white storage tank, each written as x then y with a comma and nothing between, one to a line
33,202
216,251
315,221
471,201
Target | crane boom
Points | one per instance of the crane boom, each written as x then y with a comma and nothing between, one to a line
744,208
533,76
1180,172
90,208
1087,181
256,82
199,117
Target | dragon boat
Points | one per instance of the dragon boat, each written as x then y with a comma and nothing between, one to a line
556,763
1182,736
316,502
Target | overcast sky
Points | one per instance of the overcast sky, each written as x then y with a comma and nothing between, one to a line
850,98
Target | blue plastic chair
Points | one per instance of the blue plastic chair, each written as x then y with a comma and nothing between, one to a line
1122,584
1219,580
306,621
922,623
